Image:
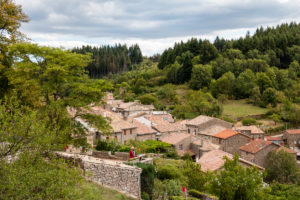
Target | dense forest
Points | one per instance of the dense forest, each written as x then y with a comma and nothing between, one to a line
111,59
262,68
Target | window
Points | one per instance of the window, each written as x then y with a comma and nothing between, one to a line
124,132
220,140
180,147
107,138
116,137
189,130
295,142
130,131
195,131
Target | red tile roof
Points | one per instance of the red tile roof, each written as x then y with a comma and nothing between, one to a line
175,138
214,160
143,129
295,131
255,145
270,138
286,149
253,129
227,133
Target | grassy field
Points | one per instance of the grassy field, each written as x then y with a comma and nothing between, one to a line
239,108
92,191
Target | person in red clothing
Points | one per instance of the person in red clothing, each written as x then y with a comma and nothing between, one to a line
132,153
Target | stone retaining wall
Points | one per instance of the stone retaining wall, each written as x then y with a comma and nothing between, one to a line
110,173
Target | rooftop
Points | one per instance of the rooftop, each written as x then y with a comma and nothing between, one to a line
252,128
270,138
201,119
206,145
175,138
227,133
214,160
295,131
255,145
212,130
142,129
286,149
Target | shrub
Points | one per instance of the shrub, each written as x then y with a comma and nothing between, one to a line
187,156
168,172
112,146
147,179
200,195
124,149
248,121
172,153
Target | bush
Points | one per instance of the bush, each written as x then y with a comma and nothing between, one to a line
200,195
168,172
172,153
187,156
147,179
248,121
124,149
112,146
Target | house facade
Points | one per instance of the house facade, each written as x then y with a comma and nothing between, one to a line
253,131
292,138
230,141
257,151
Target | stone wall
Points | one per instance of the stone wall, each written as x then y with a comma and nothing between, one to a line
109,173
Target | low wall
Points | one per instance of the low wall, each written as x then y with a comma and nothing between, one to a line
107,155
110,173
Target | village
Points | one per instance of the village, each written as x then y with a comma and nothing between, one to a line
205,138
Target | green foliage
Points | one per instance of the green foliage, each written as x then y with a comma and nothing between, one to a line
197,102
148,99
224,85
249,121
112,146
201,76
110,59
147,178
279,191
166,188
168,172
237,182
282,167
32,177
196,179
200,195
270,97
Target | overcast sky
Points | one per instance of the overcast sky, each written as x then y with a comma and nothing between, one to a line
155,25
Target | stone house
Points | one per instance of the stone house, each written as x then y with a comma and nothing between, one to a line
206,126
214,161
122,130
230,141
181,142
201,147
253,131
292,138
276,140
257,151
144,132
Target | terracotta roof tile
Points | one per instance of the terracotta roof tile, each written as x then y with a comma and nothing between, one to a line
295,131
255,145
270,138
252,128
175,138
227,133
143,129
214,160
199,120
286,149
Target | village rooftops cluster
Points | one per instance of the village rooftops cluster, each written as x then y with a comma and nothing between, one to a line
206,139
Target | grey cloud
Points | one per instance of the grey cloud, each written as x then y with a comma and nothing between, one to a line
151,19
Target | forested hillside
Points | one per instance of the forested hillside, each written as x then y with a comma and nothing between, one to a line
111,59
262,68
